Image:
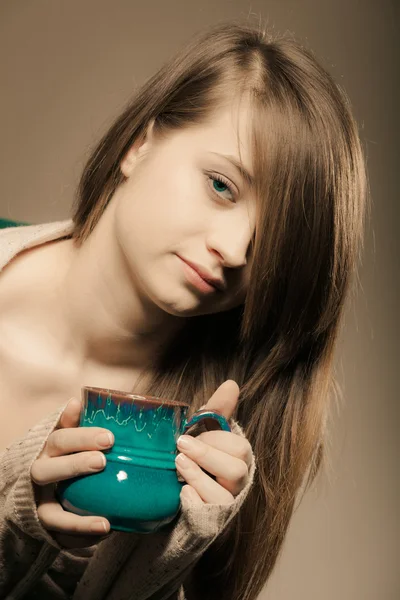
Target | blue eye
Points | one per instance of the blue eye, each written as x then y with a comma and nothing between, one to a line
221,186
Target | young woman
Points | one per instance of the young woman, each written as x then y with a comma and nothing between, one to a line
216,232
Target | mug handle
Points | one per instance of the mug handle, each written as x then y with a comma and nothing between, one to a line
218,421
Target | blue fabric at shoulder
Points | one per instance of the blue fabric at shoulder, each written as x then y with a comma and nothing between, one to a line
4,223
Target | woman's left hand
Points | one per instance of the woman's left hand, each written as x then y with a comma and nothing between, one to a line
224,454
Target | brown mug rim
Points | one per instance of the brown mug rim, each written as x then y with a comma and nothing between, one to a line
132,396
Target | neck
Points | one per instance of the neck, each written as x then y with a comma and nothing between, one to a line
99,308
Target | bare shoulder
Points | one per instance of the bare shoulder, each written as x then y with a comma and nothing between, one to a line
26,286
30,371
30,272
22,269
27,343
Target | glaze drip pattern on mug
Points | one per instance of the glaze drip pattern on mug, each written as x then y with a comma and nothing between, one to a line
145,419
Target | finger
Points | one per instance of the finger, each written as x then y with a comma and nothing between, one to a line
76,439
71,414
231,472
225,398
54,518
189,496
225,441
51,470
210,491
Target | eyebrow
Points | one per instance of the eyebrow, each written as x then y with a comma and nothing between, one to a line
239,167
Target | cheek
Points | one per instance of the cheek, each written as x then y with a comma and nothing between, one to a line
184,196
160,212
173,197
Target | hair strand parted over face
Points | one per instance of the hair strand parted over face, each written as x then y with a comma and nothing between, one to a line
311,191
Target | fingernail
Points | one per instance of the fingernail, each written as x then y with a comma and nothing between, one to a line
105,439
182,460
97,461
185,441
98,527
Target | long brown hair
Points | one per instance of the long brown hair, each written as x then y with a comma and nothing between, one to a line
311,188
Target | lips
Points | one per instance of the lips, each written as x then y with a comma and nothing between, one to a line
216,282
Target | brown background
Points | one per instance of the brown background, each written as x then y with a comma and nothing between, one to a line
68,67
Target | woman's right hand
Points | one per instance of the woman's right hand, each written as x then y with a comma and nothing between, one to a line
70,450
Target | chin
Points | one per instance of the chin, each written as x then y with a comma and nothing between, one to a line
183,307
182,311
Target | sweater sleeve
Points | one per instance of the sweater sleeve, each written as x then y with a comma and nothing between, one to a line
26,548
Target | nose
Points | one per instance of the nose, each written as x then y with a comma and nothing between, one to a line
231,242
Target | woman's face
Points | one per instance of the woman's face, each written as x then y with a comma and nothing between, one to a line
184,202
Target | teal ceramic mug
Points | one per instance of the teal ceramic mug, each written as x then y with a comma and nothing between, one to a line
138,490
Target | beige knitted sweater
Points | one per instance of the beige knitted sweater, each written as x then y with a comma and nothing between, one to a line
123,566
